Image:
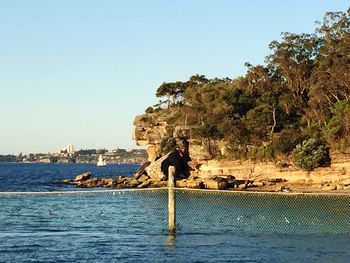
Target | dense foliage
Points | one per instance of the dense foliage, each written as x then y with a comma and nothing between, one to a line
310,154
302,92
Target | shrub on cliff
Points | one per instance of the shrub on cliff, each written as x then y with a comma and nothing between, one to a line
149,110
167,145
310,154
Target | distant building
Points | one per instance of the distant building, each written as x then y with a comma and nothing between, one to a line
70,149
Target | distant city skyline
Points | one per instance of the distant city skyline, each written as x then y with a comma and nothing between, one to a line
65,152
70,149
79,71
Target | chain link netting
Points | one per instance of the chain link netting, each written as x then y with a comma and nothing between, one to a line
202,211
85,211
197,211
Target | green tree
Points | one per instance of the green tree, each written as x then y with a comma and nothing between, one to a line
331,77
303,91
167,145
338,126
172,91
293,59
311,154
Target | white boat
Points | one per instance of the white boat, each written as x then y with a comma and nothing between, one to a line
101,162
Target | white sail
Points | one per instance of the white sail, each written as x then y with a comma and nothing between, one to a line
101,162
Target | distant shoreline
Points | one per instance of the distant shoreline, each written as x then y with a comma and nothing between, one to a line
58,163
117,156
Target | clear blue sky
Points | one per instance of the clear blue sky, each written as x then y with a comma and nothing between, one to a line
78,71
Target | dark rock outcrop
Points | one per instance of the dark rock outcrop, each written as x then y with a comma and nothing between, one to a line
176,159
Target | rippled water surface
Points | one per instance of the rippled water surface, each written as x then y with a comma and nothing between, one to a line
48,177
131,226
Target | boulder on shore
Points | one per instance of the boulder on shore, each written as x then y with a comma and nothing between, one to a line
83,177
158,170
154,170
145,184
190,183
218,183
142,170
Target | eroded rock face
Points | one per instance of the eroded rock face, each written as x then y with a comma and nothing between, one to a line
149,132
198,152
153,151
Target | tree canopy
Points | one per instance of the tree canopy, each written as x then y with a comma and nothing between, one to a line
302,92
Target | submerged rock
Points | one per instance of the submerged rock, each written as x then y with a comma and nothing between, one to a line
67,181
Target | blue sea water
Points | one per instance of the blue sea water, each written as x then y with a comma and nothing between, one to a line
49,177
131,226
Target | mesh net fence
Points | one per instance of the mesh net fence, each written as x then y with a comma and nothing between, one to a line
197,211
115,211
223,211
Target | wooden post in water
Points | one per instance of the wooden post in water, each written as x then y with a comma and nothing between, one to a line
171,200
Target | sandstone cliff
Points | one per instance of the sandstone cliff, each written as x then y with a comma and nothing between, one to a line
149,132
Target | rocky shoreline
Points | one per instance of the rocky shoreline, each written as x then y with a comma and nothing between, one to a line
217,183
86,180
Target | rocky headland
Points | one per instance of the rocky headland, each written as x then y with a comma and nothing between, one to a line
195,169
279,127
